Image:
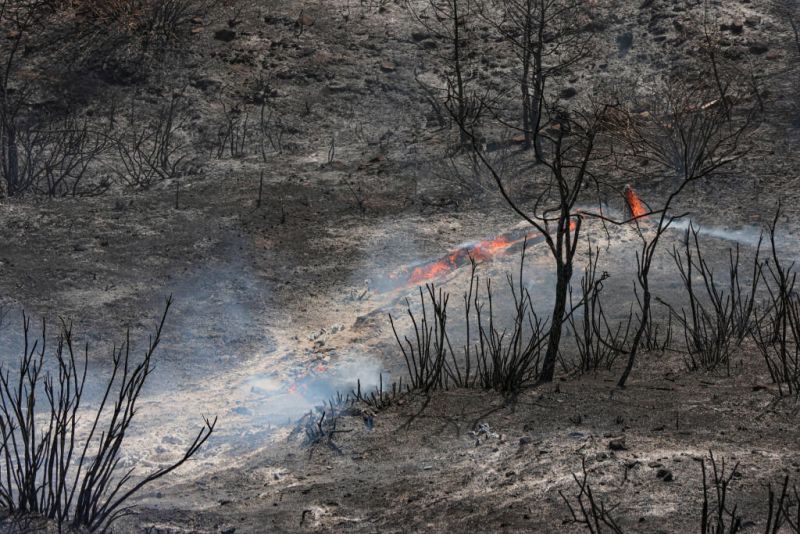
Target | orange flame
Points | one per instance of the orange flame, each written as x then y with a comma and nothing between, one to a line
635,204
481,251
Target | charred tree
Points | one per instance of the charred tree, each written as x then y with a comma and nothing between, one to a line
687,136
452,21
547,37
571,151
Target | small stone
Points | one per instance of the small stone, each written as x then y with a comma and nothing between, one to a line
758,48
752,21
735,27
525,440
665,475
207,84
568,93
624,43
388,66
617,444
225,35
305,20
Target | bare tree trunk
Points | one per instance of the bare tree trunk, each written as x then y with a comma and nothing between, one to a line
796,30
538,88
637,339
563,277
527,54
526,106
12,160
460,93
536,116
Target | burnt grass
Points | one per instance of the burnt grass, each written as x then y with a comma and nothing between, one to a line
280,287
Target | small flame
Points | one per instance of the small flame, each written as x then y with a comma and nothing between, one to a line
481,251
635,204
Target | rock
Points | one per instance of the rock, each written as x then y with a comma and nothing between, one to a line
225,35
305,20
617,444
758,48
735,27
752,21
421,36
624,43
568,93
733,53
485,430
388,66
525,440
665,475
209,85
337,87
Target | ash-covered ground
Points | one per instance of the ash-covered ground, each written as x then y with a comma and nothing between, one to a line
313,165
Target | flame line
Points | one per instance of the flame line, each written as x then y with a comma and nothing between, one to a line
480,251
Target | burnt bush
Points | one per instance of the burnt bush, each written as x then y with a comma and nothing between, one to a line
233,132
719,316
597,342
151,150
49,466
717,514
126,36
425,352
54,156
495,355
776,327
588,511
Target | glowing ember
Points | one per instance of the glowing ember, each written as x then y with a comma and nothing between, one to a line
480,251
635,204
